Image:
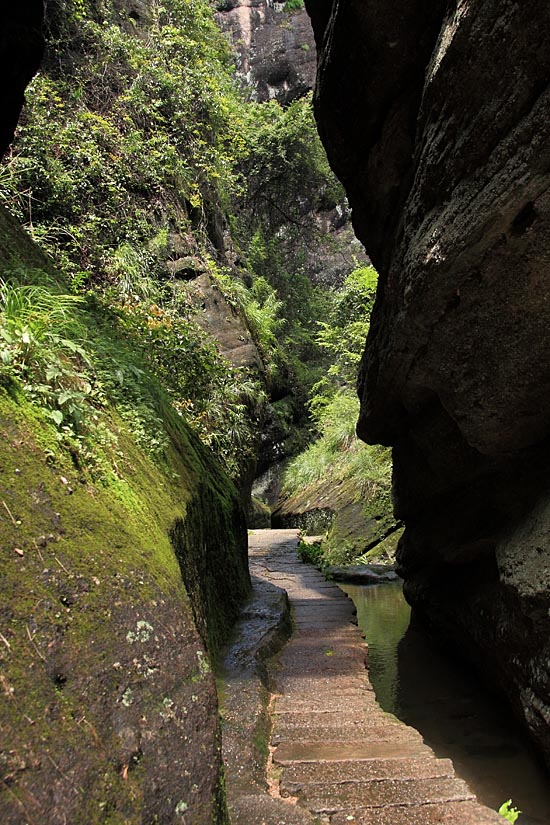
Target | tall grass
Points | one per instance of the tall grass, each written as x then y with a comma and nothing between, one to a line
338,454
42,337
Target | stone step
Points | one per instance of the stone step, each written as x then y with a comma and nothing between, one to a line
335,645
349,720
323,607
336,755
360,733
380,793
449,813
303,773
364,701
347,631
339,666
290,684
290,752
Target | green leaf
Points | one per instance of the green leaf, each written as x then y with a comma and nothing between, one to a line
57,416
64,396
53,372
508,812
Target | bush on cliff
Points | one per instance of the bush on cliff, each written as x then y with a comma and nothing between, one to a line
337,473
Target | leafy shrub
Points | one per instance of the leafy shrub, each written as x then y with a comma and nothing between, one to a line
220,401
294,5
311,553
124,133
343,335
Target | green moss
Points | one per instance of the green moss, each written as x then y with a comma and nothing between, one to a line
86,562
262,731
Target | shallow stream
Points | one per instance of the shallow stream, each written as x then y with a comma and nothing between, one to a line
458,718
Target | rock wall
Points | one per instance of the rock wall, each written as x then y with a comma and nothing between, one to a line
274,47
115,589
21,48
435,117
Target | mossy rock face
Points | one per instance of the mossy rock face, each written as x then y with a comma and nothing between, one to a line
108,711
366,529
259,514
354,528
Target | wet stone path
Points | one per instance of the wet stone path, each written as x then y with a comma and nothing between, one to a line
335,756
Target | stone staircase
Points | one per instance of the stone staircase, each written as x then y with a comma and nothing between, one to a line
335,756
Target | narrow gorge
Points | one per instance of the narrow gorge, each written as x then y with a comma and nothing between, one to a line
205,209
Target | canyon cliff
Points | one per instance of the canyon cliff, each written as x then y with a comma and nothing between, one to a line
273,45
435,117
122,568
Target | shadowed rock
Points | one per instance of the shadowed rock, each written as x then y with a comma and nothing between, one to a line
21,49
435,117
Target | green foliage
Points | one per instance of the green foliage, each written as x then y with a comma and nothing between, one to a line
507,811
259,306
125,132
132,136
297,355
42,339
339,454
311,553
276,225
135,134
282,147
359,474
46,352
294,5
220,401
333,404
343,334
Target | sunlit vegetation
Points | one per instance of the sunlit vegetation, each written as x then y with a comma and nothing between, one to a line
337,453
139,156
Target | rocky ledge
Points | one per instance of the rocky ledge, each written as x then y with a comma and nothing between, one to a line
435,117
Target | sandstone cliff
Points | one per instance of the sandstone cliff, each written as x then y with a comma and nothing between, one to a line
435,117
115,589
274,47
122,571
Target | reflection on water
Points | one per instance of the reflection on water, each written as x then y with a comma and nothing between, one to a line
456,716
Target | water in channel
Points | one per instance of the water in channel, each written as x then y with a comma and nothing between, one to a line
455,714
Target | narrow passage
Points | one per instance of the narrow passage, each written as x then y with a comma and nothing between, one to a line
334,753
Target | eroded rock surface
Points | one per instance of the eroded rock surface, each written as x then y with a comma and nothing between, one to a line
435,117
274,47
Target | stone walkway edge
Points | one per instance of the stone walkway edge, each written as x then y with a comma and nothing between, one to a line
309,716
